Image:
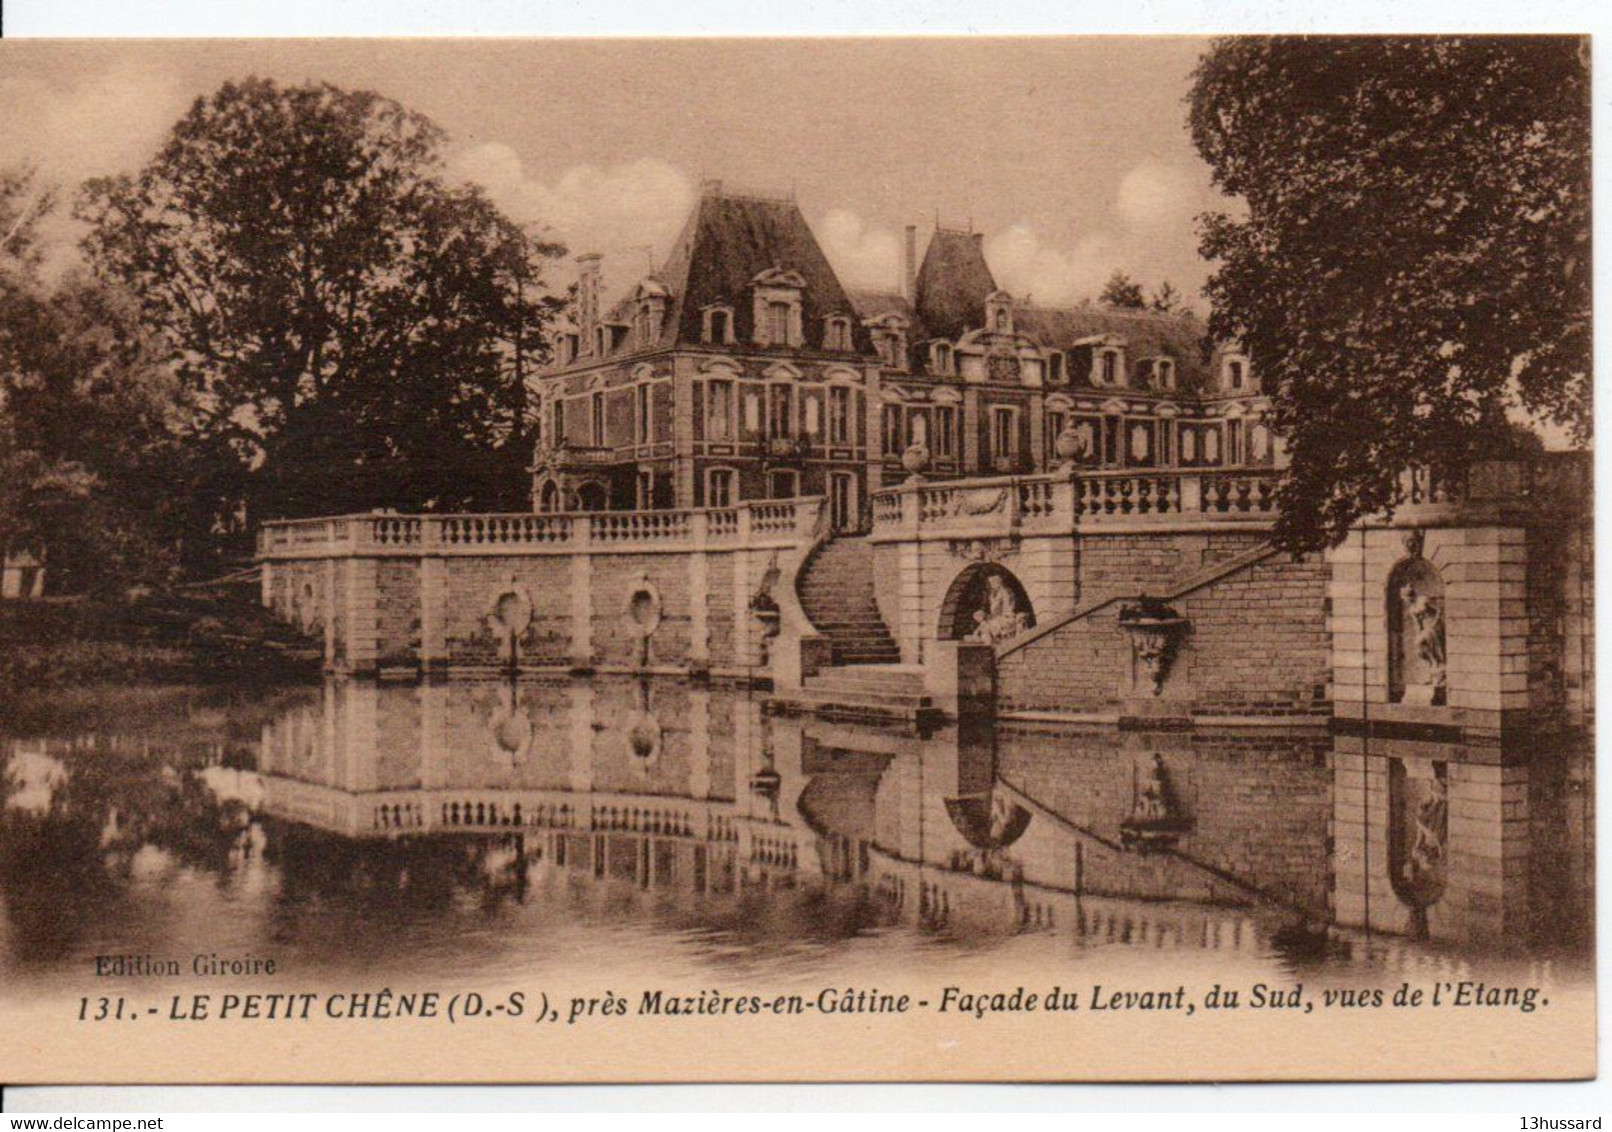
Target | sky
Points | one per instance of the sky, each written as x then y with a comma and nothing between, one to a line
1070,155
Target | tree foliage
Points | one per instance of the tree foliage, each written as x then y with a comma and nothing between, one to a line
351,326
90,466
1123,291
1414,262
1166,299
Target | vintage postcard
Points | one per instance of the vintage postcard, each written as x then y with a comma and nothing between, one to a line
1058,559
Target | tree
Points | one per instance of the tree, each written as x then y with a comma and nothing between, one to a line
88,452
1414,264
1123,291
352,326
1166,299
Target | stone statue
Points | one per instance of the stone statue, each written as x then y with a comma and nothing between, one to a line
1423,618
1152,801
1001,618
1426,854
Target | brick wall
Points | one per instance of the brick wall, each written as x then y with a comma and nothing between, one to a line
1257,643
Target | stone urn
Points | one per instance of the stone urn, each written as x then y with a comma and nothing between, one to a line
1066,445
916,460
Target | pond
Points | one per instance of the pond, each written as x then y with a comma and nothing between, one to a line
621,834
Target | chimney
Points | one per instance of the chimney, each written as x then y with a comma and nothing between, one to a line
588,301
909,266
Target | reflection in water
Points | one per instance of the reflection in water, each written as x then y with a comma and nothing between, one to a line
579,827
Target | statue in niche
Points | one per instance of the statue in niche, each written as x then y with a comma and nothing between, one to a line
1155,821
1001,618
1417,665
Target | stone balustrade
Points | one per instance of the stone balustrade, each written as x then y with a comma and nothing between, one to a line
755,525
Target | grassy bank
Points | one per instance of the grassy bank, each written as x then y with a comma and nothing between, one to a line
158,638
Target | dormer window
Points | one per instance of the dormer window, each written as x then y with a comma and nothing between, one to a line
1164,373
999,313
941,359
601,340
1234,373
889,333
1108,367
1055,367
567,347
837,333
718,326
777,309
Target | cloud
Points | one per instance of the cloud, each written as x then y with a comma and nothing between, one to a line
630,213
1026,264
863,255
100,122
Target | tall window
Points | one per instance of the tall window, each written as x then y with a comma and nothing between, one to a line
646,490
892,430
945,431
1234,374
641,412
1055,368
1110,368
1002,432
838,334
719,410
780,402
1166,449
596,419
719,487
719,325
1055,425
1234,442
1164,373
839,414
940,357
778,324
559,421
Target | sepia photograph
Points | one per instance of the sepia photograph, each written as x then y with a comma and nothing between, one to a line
796,560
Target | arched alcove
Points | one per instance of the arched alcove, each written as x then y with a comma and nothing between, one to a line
985,603
1415,605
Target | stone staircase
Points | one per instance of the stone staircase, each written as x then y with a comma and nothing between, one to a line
871,692
836,592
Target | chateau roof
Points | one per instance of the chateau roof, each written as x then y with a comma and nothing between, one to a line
1147,334
953,283
729,241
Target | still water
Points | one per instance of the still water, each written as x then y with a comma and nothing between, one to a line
656,833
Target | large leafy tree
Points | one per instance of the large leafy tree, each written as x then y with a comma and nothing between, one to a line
90,466
1413,268
1123,291
352,325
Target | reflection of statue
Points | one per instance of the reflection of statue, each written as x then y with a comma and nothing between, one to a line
1001,618
1426,854
1152,803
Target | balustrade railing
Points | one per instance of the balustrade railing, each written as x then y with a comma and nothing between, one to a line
744,524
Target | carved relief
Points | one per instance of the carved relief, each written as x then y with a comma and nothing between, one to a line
1001,618
508,616
981,501
1155,630
983,549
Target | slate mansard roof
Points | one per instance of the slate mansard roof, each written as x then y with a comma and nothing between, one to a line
731,239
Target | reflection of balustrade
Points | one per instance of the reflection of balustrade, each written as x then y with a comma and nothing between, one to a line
742,525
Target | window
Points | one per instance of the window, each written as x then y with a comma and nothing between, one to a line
838,334
1002,432
1234,442
1166,431
752,409
1055,427
782,484
892,430
646,490
1055,368
1164,373
778,324
719,487
719,325
719,410
641,413
1110,367
780,406
1235,373
558,431
940,358
596,419
945,431
999,320
839,414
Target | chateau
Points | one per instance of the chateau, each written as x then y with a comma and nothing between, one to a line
744,369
